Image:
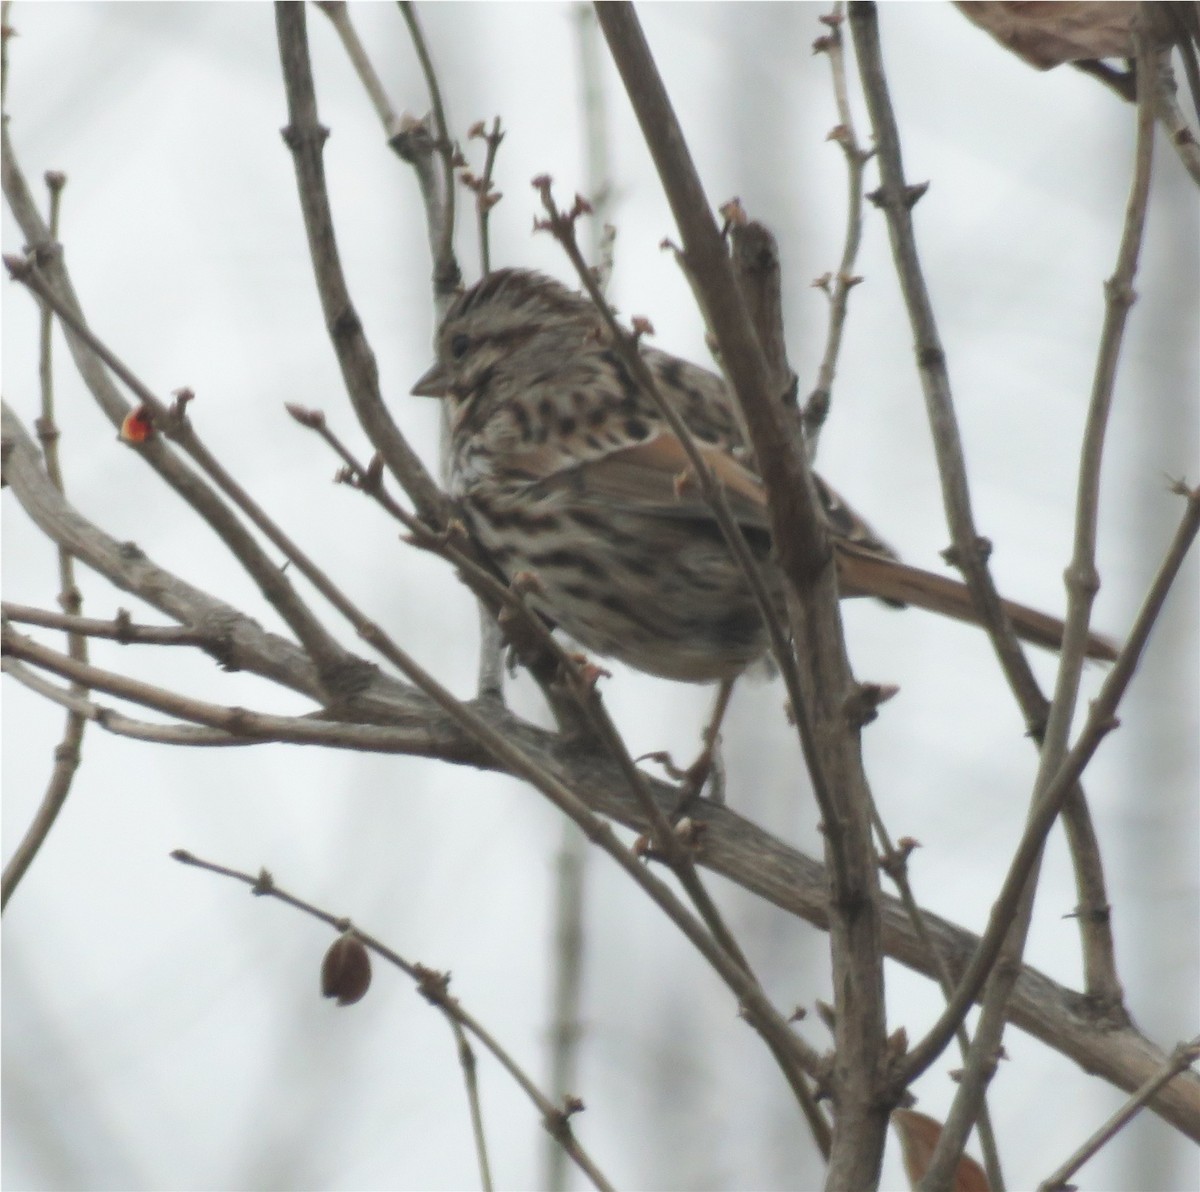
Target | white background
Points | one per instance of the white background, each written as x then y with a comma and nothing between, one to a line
162,1030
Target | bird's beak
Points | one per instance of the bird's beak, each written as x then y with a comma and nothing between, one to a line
434,383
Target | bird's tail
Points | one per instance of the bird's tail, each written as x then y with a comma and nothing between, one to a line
864,573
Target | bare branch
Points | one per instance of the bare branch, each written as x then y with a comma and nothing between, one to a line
830,741
49,279
1055,776
305,137
969,551
838,287
120,629
113,721
433,986
466,1059
1182,1057
1101,720
446,274
485,197
562,226
896,197
730,845
67,753
232,638
338,13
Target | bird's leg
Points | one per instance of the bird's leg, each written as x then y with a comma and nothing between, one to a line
707,767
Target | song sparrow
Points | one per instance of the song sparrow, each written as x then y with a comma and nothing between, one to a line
565,469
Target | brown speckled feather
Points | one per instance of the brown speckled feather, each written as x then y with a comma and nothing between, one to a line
567,471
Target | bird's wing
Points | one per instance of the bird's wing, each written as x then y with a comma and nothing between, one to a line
656,478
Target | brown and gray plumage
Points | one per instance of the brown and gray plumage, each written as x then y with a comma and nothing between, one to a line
565,469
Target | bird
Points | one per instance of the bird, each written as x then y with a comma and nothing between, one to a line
570,477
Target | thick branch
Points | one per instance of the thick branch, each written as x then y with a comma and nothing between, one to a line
830,742
731,845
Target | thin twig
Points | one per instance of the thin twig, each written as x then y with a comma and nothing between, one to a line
173,422
1100,721
67,753
594,108
562,226
238,722
816,408
1082,583
6,31
466,1061
568,954
339,16
969,551
120,629
305,136
569,951
485,197
113,721
490,682
1184,1056
445,272
264,570
432,985
894,862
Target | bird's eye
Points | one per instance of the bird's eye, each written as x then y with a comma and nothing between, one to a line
459,345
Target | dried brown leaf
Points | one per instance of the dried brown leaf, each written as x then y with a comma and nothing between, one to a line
919,1135
346,970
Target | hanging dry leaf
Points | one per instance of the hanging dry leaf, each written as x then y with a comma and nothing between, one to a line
918,1135
1046,33
346,970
